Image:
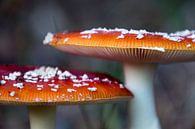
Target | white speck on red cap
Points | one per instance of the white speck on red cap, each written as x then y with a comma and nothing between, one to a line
53,89
66,40
18,85
86,36
140,36
92,89
12,93
77,85
48,38
2,82
120,36
71,90
188,45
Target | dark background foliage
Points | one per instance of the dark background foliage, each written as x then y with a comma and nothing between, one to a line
24,23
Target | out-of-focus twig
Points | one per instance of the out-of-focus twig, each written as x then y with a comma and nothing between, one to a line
104,122
86,118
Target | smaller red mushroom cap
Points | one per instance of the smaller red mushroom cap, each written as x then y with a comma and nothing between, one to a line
33,85
127,45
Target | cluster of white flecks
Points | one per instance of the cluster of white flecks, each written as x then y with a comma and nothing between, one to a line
177,36
18,85
12,76
123,32
49,74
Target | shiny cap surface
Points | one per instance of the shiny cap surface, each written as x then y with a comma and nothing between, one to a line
35,85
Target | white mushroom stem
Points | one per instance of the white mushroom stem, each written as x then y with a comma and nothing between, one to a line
42,117
139,79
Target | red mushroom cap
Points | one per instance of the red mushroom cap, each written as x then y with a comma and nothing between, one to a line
47,85
127,45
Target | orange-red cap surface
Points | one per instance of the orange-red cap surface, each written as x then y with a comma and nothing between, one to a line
127,45
47,85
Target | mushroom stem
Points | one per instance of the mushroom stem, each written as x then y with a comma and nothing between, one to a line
42,117
139,79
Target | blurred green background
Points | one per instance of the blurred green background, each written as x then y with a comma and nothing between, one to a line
24,23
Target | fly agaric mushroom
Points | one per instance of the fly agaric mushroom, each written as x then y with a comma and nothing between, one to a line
140,51
41,88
